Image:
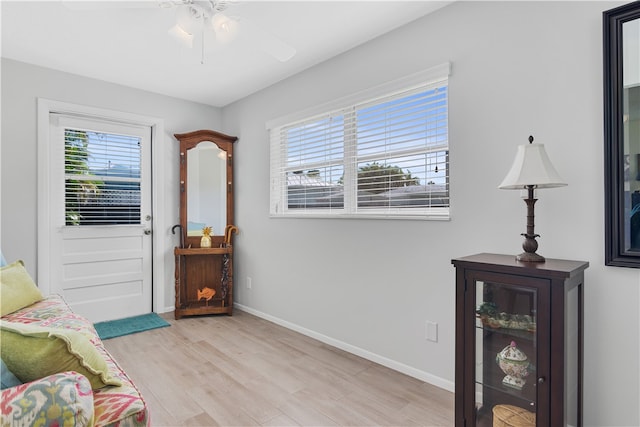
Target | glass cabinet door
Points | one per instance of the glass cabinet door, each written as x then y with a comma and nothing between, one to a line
506,352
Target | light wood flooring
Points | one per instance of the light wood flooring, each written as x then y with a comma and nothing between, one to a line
242,370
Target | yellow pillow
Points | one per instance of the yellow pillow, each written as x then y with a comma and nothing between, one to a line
32,352
17,289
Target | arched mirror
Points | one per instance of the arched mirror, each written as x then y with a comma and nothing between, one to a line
206,185
206,189
621,28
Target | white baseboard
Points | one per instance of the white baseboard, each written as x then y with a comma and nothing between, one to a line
381,360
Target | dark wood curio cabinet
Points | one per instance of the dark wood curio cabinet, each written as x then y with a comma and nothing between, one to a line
519,341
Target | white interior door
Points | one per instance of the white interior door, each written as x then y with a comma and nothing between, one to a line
100,216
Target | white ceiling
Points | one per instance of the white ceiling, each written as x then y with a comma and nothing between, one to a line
128,42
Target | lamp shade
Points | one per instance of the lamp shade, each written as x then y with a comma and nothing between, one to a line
531,167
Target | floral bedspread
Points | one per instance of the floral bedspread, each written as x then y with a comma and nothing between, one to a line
121,406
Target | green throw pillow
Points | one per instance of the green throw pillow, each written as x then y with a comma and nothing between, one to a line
17,289
32,352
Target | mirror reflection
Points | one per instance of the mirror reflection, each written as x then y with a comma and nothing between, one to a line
631,131
206,189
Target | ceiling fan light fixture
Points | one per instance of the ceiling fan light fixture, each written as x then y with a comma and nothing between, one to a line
226,29
189,18
181,34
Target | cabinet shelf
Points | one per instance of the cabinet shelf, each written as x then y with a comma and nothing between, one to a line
199,311
203,251
524,398
514,333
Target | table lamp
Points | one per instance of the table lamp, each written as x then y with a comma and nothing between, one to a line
531,170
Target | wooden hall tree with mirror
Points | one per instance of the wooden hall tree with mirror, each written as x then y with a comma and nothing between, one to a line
204,267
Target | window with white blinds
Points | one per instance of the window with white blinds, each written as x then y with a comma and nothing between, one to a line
386,156
102,178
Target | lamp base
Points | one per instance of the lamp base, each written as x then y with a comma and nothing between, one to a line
530,257
530,244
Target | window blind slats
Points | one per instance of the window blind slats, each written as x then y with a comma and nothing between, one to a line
385,157
102,178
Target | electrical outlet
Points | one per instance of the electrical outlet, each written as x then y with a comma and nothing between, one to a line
248,282
431,331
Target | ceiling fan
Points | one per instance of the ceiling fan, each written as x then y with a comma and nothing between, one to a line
198,17
205,19
193,17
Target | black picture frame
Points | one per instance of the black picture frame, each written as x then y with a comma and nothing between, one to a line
619,251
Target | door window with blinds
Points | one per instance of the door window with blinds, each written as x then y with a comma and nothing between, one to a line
102,178
383,156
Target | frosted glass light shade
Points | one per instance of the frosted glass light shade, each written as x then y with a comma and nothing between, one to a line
179,33
531,167
226,29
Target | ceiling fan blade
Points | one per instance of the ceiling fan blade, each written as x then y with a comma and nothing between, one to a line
268,42
118,4
277,48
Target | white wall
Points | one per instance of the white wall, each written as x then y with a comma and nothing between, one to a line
518,69
22,84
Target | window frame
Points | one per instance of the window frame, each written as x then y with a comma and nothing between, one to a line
279,202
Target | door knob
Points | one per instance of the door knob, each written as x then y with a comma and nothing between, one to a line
147,231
